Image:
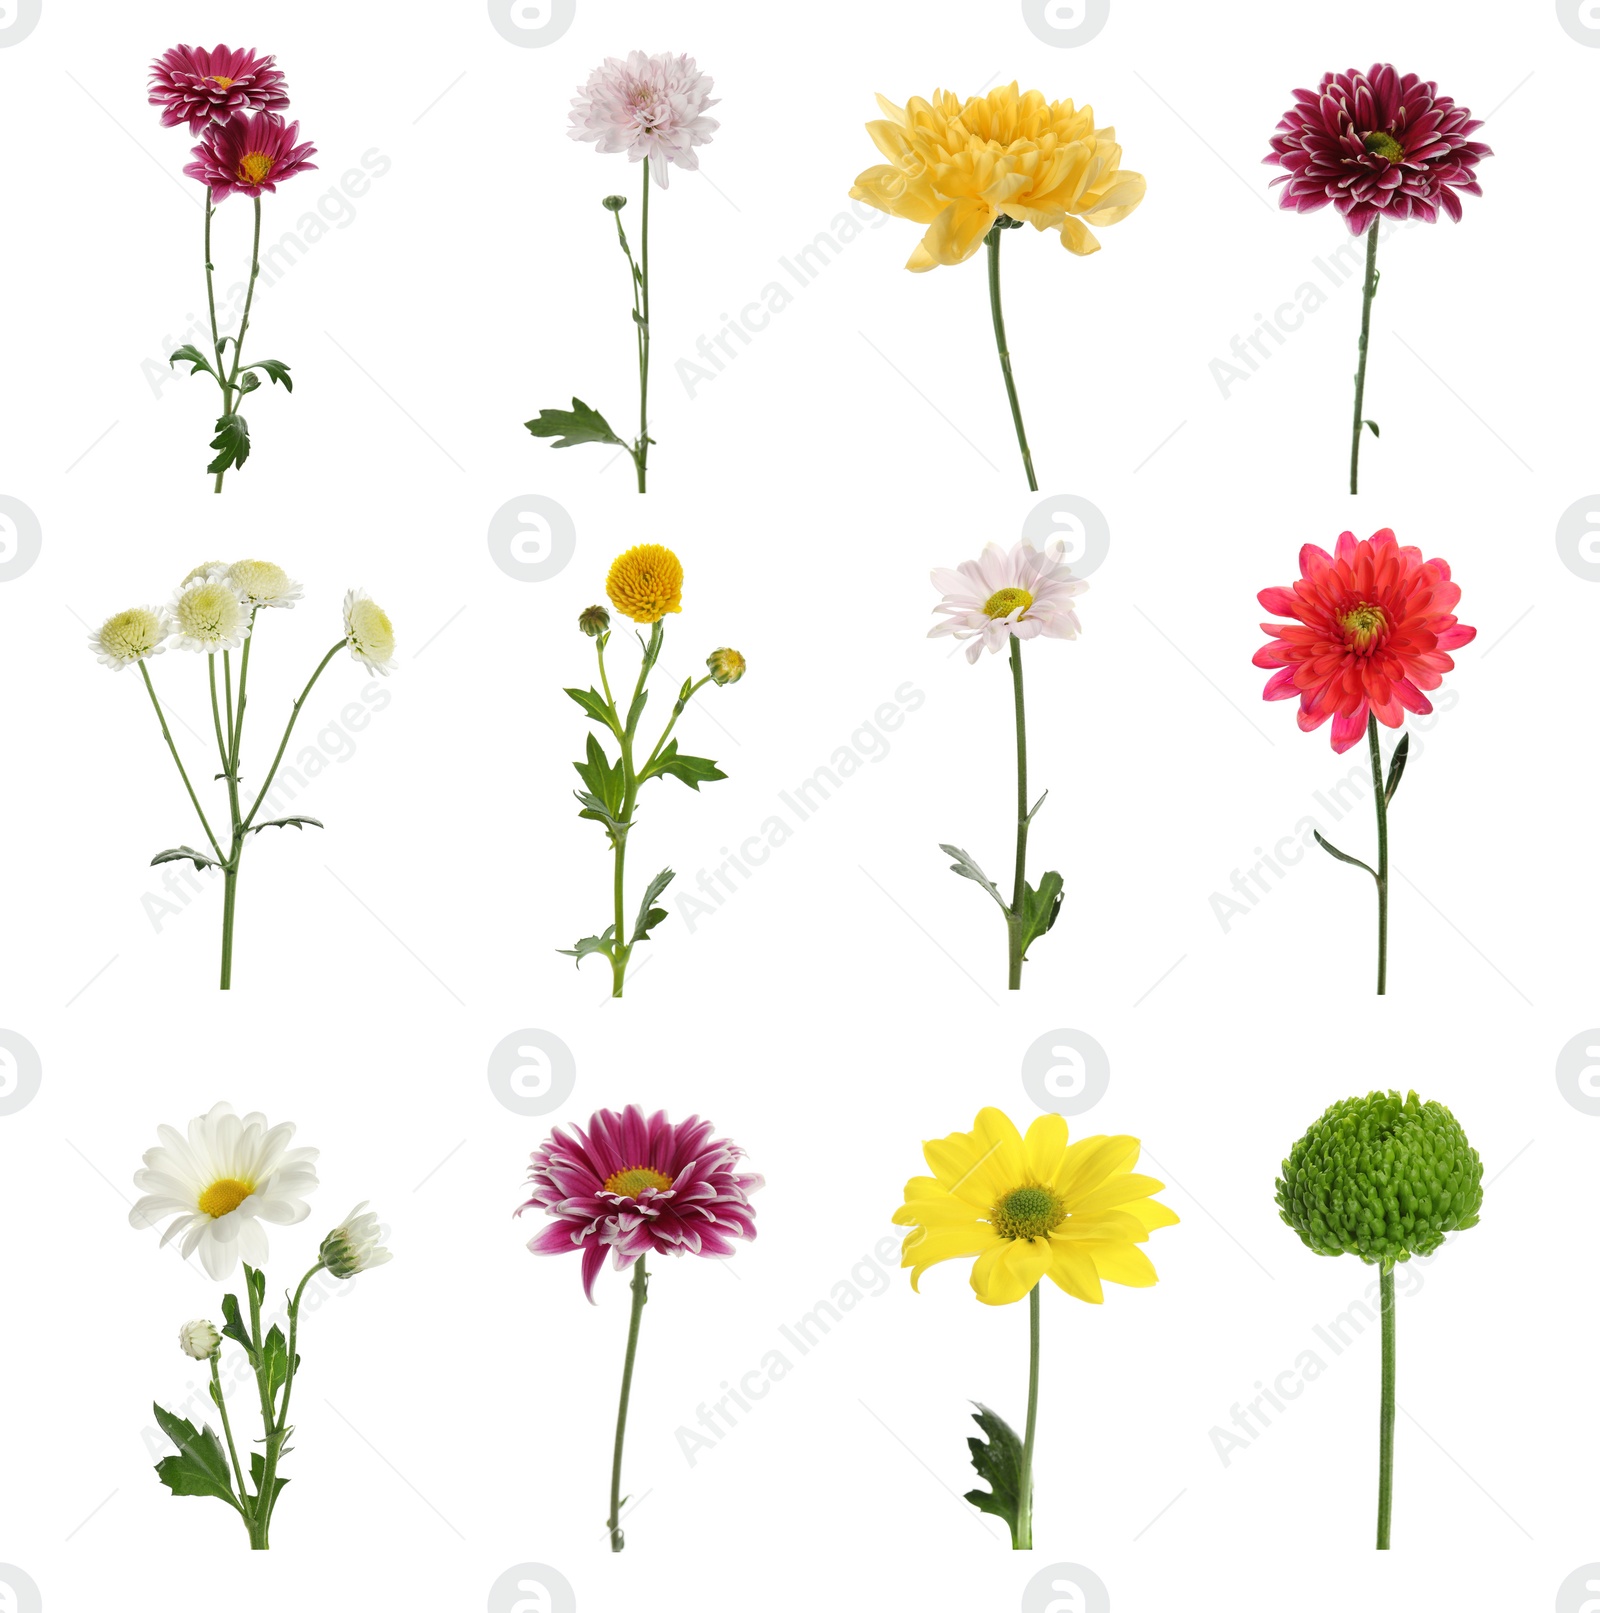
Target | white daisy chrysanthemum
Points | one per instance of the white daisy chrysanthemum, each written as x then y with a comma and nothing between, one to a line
208,615
207,570
264,585
352,1246
1024,593
199,1340
368,632
221,1181
129,636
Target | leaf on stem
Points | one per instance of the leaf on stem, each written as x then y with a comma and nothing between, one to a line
285,823
1033,812
275,370
180,854
1040,909
258,1471
1372,426
275,1360
595,706
1397,767
189,354
606,785
649,915
590,943
692,770
968,869
999,1464
201,1465
1343,856
232,443
233,1327
572,426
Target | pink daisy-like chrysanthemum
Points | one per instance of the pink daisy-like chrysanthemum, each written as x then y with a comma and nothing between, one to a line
1372,625
1023,593
639,1186
649,106
197,86
1376,143
249,155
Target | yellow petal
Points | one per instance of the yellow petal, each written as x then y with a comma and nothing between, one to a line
1120,1190
944,1211
1118,201
1073,1272
1076,239
922,1248
1045,1147
956,234
1008,1273
888,188
1124,1263
1091,1161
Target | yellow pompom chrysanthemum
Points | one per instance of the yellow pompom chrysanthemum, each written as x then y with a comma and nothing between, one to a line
958,166
1029,1207
646,583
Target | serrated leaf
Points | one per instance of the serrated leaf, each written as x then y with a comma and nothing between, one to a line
999,1464
594,705
572,426
692,770
590,944
296,822
189,354
1343,856
233,1326
258,1471
201,1465
232,443
1372,426
180,854
275,370
649,915
275,1359
596,811
1397,767
1040,909
968,869
604,779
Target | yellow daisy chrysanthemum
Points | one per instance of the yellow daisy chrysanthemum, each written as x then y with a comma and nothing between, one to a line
957,166
1029,1207
646,583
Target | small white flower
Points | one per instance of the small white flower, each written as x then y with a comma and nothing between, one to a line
263,585
208,615
207,570
1000,595
221,1181
129,636
352,1246
199,1339
368,632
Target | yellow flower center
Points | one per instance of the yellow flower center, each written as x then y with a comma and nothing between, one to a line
1028,1212
1382,144
225,1195
1008,600
633,1181
1363,624
646,583
221,82
254,166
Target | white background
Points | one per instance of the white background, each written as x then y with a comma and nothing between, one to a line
454,1413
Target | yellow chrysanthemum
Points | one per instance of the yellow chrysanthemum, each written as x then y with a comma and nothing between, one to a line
1030,1207
958,166
646,583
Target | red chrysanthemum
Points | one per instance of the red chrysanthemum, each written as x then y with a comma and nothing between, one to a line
197,86
1374,143
249,155
635,1187
1371,627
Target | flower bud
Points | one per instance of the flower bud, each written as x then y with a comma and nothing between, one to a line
594,621
353,1245
726,666
614,204
199,1340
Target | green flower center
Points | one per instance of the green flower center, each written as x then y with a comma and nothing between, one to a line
1028,1212
1363,624
1008,600
1383,144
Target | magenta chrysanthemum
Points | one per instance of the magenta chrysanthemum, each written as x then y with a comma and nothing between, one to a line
249,155
639,1186
197,86
649,106
1376,143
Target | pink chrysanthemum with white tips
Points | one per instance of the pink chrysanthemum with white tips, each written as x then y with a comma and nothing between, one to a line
197,86
1020,593
652,107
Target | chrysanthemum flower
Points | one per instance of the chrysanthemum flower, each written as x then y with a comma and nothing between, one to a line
646,582
207,569
1032,1207
725,666
352,1246
208,615
264,585
368,632
249,155
129,636
1374,143
957,166
221,1182
197,86
1023,593
640,1186
199,1340
1372,628
649,106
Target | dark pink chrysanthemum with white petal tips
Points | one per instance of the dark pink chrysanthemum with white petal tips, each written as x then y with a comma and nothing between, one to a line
635,1186
1377,143
249,155
197,86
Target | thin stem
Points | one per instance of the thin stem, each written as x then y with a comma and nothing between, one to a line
166,734
272,772
277,1434
230,872
621,949
641,1283
211,303
216,711
1019,883
1368,290
231,384
677,712
227,1430
244,676
993,240
1024,1540
1386,1410
642,451
1383,853
227,697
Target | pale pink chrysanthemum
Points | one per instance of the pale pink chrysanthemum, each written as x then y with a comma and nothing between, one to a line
649,106
1022,593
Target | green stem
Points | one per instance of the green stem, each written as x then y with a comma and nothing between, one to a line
1368,290
642,451
230,385
278,1429
993,241
244,677
1024,1536
677,712
283,745
1019,883
641,1283
1386,1410
166,734
211,304
227,1430
621,950
1383,854
230,872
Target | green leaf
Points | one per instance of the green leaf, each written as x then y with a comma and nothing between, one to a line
597,812
692,770
275,370
233,1326
232,443
593,702
652,649
1344,857
571,426
1397,767
1372,426
275,1357
285,823
1034,811
1040,909
606,786
590,943
636,710
189,354
258,1471
968,869
649,915
180,854
258,1282
201,1465
999,1464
